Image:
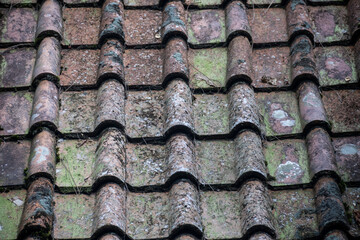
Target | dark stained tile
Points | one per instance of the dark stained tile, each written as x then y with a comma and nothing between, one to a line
81,26
17,25
143,66
15,112
79,67
206,26
268,25
342,108
351,198
13,162
287,162
142,27
16,67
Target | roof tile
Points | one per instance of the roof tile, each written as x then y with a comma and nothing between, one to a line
174,22
112,21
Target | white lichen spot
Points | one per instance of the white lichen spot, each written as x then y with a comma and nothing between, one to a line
17,201
287,123
35,115
348,149
41,153
288,171
279,114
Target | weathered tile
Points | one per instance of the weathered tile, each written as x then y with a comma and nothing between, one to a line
74,169
142,27
216,161
287,162
145,113
280,113
211,114
207,67
81,26
295,213
336,65
13,162
12,204
24,2
347,152
15,112
74,216
271,67
141,3
298,21
148,215
330,23
268,25
206,26
77,111
16,67
112,21
352,198
111,65
343,109
17,25
264,2
77,2
203,3
221,214
143,66
79,67
174,18
146,164
175,60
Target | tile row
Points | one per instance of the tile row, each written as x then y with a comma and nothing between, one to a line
219,214
211,26
148,114
269,68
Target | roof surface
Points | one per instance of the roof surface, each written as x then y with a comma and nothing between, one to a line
196,119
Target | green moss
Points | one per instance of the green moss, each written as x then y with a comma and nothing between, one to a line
3,67
29,97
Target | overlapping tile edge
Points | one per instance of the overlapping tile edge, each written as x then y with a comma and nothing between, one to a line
38,212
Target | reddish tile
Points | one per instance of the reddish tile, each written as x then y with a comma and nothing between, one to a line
112,19
145,114
81,26
74,216
287,162
142,27
206,26
17,25
16,67
15,112
211,114
12,204
237,20
203,3
271,67
77,111
295,213
347,152
111,65
13,162
143,66
330,23
76,2
141,3
264,2
174,21
175,60
268,25
280,113
79,67
336,65
343,110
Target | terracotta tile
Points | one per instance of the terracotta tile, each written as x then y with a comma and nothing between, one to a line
112,21
348,158
211,114
143,66
24,2
111,65
337,234
15,112
207,67
17,25
221,214
141,212
352,198
79,67
280,113
336,65
17,67
267,2
76,2
146,164
298,19
295,213
81,26
206,26
271,67
12,204
13,162
74,168
74,216
77,111
176,60
261,236
142,27
145,114
329,23
287,162
342,108
203,3
141,3
110,236
354,17
216,160
268,25
237,20
174,21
